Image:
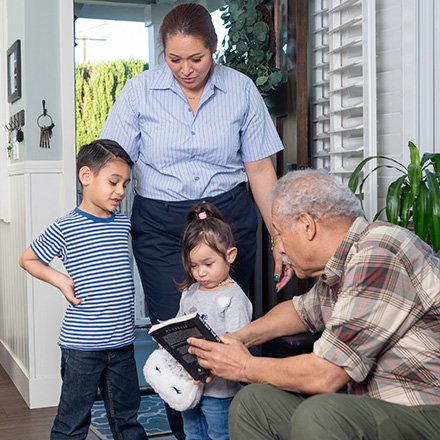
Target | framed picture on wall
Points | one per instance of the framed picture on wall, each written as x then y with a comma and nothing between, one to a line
14,72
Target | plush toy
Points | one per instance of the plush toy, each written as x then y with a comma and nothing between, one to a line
170,380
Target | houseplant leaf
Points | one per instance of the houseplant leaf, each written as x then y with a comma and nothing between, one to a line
354,178
415,193
378,213
249,43
414,154
421,212
393,200
414,177
276,77
261,80
426,158
434,230
406,202
436,162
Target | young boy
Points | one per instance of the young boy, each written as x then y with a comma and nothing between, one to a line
97,334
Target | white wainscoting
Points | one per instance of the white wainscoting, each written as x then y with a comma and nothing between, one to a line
31,311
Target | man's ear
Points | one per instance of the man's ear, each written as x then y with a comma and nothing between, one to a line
307,224
85,175
231,255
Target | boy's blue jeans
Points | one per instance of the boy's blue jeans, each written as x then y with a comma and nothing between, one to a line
208,420
114,372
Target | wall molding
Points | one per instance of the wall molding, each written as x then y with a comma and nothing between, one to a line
36,167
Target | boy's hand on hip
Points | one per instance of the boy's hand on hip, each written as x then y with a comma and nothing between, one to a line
67,288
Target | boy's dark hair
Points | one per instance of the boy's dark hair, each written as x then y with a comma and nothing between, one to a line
205,224
99,153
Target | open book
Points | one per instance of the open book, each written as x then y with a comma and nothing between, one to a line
172,335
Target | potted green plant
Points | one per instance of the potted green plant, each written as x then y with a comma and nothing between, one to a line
415,195
249,43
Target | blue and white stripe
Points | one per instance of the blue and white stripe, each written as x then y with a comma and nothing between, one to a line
94,252
181,156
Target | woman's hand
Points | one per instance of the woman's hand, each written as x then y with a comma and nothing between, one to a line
283,270
262,178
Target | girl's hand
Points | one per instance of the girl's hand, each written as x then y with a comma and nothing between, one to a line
207,379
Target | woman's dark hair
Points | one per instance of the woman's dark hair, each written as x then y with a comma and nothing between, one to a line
189,19
99,153
205,224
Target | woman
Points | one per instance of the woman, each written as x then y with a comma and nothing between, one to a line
196,131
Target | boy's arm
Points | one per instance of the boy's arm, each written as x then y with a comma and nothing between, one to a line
32,264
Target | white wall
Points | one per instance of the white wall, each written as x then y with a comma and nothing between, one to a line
396,77
4,182
436,90
41,188
408,79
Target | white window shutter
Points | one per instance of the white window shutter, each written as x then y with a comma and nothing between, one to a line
343,89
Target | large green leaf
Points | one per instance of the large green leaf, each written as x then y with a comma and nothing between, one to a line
434,192
251,17
414,177
436,162
393,200
406,202
421,215
275,77
414,154
426,158
242,47
364,180
261,80
354,178
378,213
261,31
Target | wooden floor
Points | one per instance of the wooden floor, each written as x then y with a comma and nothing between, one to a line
18,422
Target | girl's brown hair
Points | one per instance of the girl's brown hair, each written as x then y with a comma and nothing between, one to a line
205,224
189,19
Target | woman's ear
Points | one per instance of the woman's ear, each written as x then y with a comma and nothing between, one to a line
231,255
85,175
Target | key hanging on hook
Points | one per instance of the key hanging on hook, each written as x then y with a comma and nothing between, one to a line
9,146
46,131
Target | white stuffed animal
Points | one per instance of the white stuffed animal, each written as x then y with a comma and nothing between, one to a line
170,380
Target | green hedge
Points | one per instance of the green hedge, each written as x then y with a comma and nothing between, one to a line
96,87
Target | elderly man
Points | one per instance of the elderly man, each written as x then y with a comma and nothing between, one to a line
377,304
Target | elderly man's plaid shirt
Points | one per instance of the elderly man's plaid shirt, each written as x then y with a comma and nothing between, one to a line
378,305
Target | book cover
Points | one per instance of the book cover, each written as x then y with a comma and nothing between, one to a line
173,334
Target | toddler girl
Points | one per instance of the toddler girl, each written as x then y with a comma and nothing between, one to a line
208,250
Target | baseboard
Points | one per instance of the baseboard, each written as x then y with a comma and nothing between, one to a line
37,393
44,392
15,372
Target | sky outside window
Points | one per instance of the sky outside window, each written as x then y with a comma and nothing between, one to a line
108,40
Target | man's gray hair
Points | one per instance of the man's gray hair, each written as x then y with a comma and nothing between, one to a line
315,192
